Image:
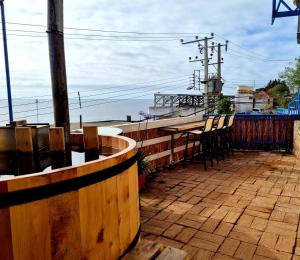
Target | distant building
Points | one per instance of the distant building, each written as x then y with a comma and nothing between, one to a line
263,100
244,99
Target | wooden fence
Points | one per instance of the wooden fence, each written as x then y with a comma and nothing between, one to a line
264,132
250,132
156,142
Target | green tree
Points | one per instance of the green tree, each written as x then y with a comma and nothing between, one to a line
273,83
279,90
291,76
224,106
283,101
280,93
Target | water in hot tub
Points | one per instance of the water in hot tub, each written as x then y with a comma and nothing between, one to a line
13,164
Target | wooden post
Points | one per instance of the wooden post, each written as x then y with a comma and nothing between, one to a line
24,142
90,138
58,66
56,139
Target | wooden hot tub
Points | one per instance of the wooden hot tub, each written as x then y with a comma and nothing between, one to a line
90,211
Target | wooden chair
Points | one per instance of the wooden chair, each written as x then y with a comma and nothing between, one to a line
228,134
204,136
219,138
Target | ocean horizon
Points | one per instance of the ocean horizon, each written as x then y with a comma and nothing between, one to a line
92,110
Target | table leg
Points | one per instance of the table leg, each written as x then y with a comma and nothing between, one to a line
172,149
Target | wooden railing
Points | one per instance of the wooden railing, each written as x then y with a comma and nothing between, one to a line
156,142
250,132
90,211
263,132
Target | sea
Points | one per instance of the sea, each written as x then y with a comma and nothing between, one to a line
92,110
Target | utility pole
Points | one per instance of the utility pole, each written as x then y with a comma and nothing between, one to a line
58,66
204,49
206,73
219,70
205,60
220,59
11,117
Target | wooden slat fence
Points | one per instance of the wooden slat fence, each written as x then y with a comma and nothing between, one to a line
264,132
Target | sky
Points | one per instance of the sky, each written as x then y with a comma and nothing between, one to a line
150,64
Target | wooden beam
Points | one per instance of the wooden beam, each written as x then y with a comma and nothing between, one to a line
56,139
90,138
24,142
58,66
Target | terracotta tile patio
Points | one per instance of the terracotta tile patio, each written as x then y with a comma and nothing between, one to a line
246,207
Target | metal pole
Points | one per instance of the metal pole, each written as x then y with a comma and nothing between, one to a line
58,66
37,110
219,62
11,117
80,116
298,31
206,105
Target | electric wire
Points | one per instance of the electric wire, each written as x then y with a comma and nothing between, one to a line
112,31
89,101
95,39
109,87
101,103
99,35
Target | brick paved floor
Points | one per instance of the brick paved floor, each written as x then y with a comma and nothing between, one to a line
247,207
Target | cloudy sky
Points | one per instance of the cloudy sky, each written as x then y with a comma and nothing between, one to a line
111,60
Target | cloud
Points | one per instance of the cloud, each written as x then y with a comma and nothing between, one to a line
98,63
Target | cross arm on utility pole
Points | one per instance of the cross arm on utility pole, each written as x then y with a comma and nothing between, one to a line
196,59
197,39
216,63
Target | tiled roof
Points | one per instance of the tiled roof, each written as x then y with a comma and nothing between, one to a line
262,94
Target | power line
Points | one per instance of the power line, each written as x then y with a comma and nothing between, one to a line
101,35
112,31
252,58
96,39
116,96
102,103
251,52
137,38
164,80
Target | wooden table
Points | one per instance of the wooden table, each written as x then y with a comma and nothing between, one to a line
181,129
184,127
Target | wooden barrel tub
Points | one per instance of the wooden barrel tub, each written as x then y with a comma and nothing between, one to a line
90,211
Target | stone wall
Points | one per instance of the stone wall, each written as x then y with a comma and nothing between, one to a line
297,139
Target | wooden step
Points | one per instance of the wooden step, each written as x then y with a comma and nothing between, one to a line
149,250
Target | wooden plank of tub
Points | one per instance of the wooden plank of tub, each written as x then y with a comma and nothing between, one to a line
134,201
57,139
65,226
124,210
111,219
90,138
5,235
24,140
5,230
92,203
30,230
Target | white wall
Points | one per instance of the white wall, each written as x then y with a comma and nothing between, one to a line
244,103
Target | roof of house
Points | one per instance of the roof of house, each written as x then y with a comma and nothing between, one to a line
262,94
